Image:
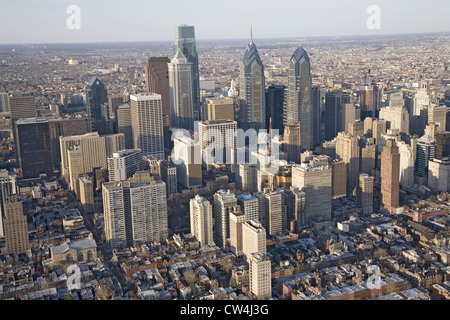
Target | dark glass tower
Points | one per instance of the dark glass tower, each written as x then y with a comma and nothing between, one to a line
299,108
185,42
97,107
252,93
274,106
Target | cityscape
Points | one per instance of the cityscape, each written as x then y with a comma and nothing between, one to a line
258,169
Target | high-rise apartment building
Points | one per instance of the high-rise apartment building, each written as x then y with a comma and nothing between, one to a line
169,176
260,276
201,219
8,187
237,219
134,213
223,202
299,106
146,119
97,107
246,177
272,210
124,164
253,238
249,206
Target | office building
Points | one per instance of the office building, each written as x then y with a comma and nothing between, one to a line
188,160
426,150
86,188
314,179
115,100
220,109
338,179
370,97
252,93
395,114
181,90
246,177
272,212
169,176
364,193
15,227
124,124
275,102
438,115
347,150
335,120
146,119
299,105
201,219
439,175
292,141
97,107
33,147
22,105
185,42
390,171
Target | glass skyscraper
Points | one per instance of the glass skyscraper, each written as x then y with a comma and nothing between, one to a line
299,106
185,42
97,107
252,92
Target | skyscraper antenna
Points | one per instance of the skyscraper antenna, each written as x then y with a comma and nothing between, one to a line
251,33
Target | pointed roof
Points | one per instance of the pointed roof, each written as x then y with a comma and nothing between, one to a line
179,55
299,54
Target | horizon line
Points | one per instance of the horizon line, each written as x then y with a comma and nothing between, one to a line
232,39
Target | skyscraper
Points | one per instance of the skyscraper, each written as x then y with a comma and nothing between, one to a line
22,105
314,179
187,159
97,107
390,171
347,150
16,228
33,145
299,107
134,212
364,194
334,113
426,150
157,81
181,92
146,119
124,125
185,42
370,96
275,106
252,93
292,142
201,219
220,109
237,219
8,187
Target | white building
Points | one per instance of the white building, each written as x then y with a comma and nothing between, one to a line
201,219
124,164
260,274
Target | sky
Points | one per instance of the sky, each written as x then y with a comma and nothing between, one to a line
45,21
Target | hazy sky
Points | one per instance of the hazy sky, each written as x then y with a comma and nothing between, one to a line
44,21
